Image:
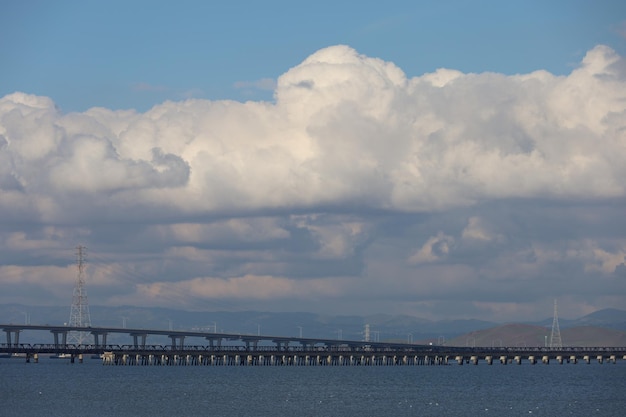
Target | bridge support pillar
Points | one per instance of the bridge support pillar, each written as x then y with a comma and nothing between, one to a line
16,340
56,334
143,339
532,360
175,338
504,360
518,360
96,338
600,359
587,359
212,341
573,359
545,359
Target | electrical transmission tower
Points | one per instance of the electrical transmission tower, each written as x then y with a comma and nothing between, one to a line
555,336
79,313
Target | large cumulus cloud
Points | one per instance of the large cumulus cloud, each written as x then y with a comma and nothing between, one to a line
307,194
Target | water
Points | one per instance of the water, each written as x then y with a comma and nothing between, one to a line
58,388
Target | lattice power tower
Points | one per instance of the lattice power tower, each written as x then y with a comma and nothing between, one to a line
555,336
79,313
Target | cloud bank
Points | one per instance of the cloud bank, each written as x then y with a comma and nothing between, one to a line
358,188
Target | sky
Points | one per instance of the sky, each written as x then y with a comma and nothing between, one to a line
444,160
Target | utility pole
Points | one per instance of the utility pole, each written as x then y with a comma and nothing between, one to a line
79,312
555,336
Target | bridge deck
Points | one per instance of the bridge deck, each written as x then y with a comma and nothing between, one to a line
256,349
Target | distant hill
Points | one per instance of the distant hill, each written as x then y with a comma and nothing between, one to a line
505,335
593,336
526,335
382,327
611,318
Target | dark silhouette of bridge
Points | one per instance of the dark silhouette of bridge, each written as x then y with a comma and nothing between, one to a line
241,349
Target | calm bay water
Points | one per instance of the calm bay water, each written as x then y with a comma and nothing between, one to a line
58,388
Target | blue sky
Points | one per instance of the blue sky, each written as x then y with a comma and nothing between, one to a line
120,54
445,159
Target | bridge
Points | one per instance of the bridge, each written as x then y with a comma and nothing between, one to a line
239,350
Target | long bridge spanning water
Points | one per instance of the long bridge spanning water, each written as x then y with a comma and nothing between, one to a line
220,349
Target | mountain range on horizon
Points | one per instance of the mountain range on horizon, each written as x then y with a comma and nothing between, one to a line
607,326
528,335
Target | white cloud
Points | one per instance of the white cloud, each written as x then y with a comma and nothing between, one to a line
344,128
306,192
476,230
245,287
335,240
435,248
241,230
601,260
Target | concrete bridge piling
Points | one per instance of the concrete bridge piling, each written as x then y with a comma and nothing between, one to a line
320,359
